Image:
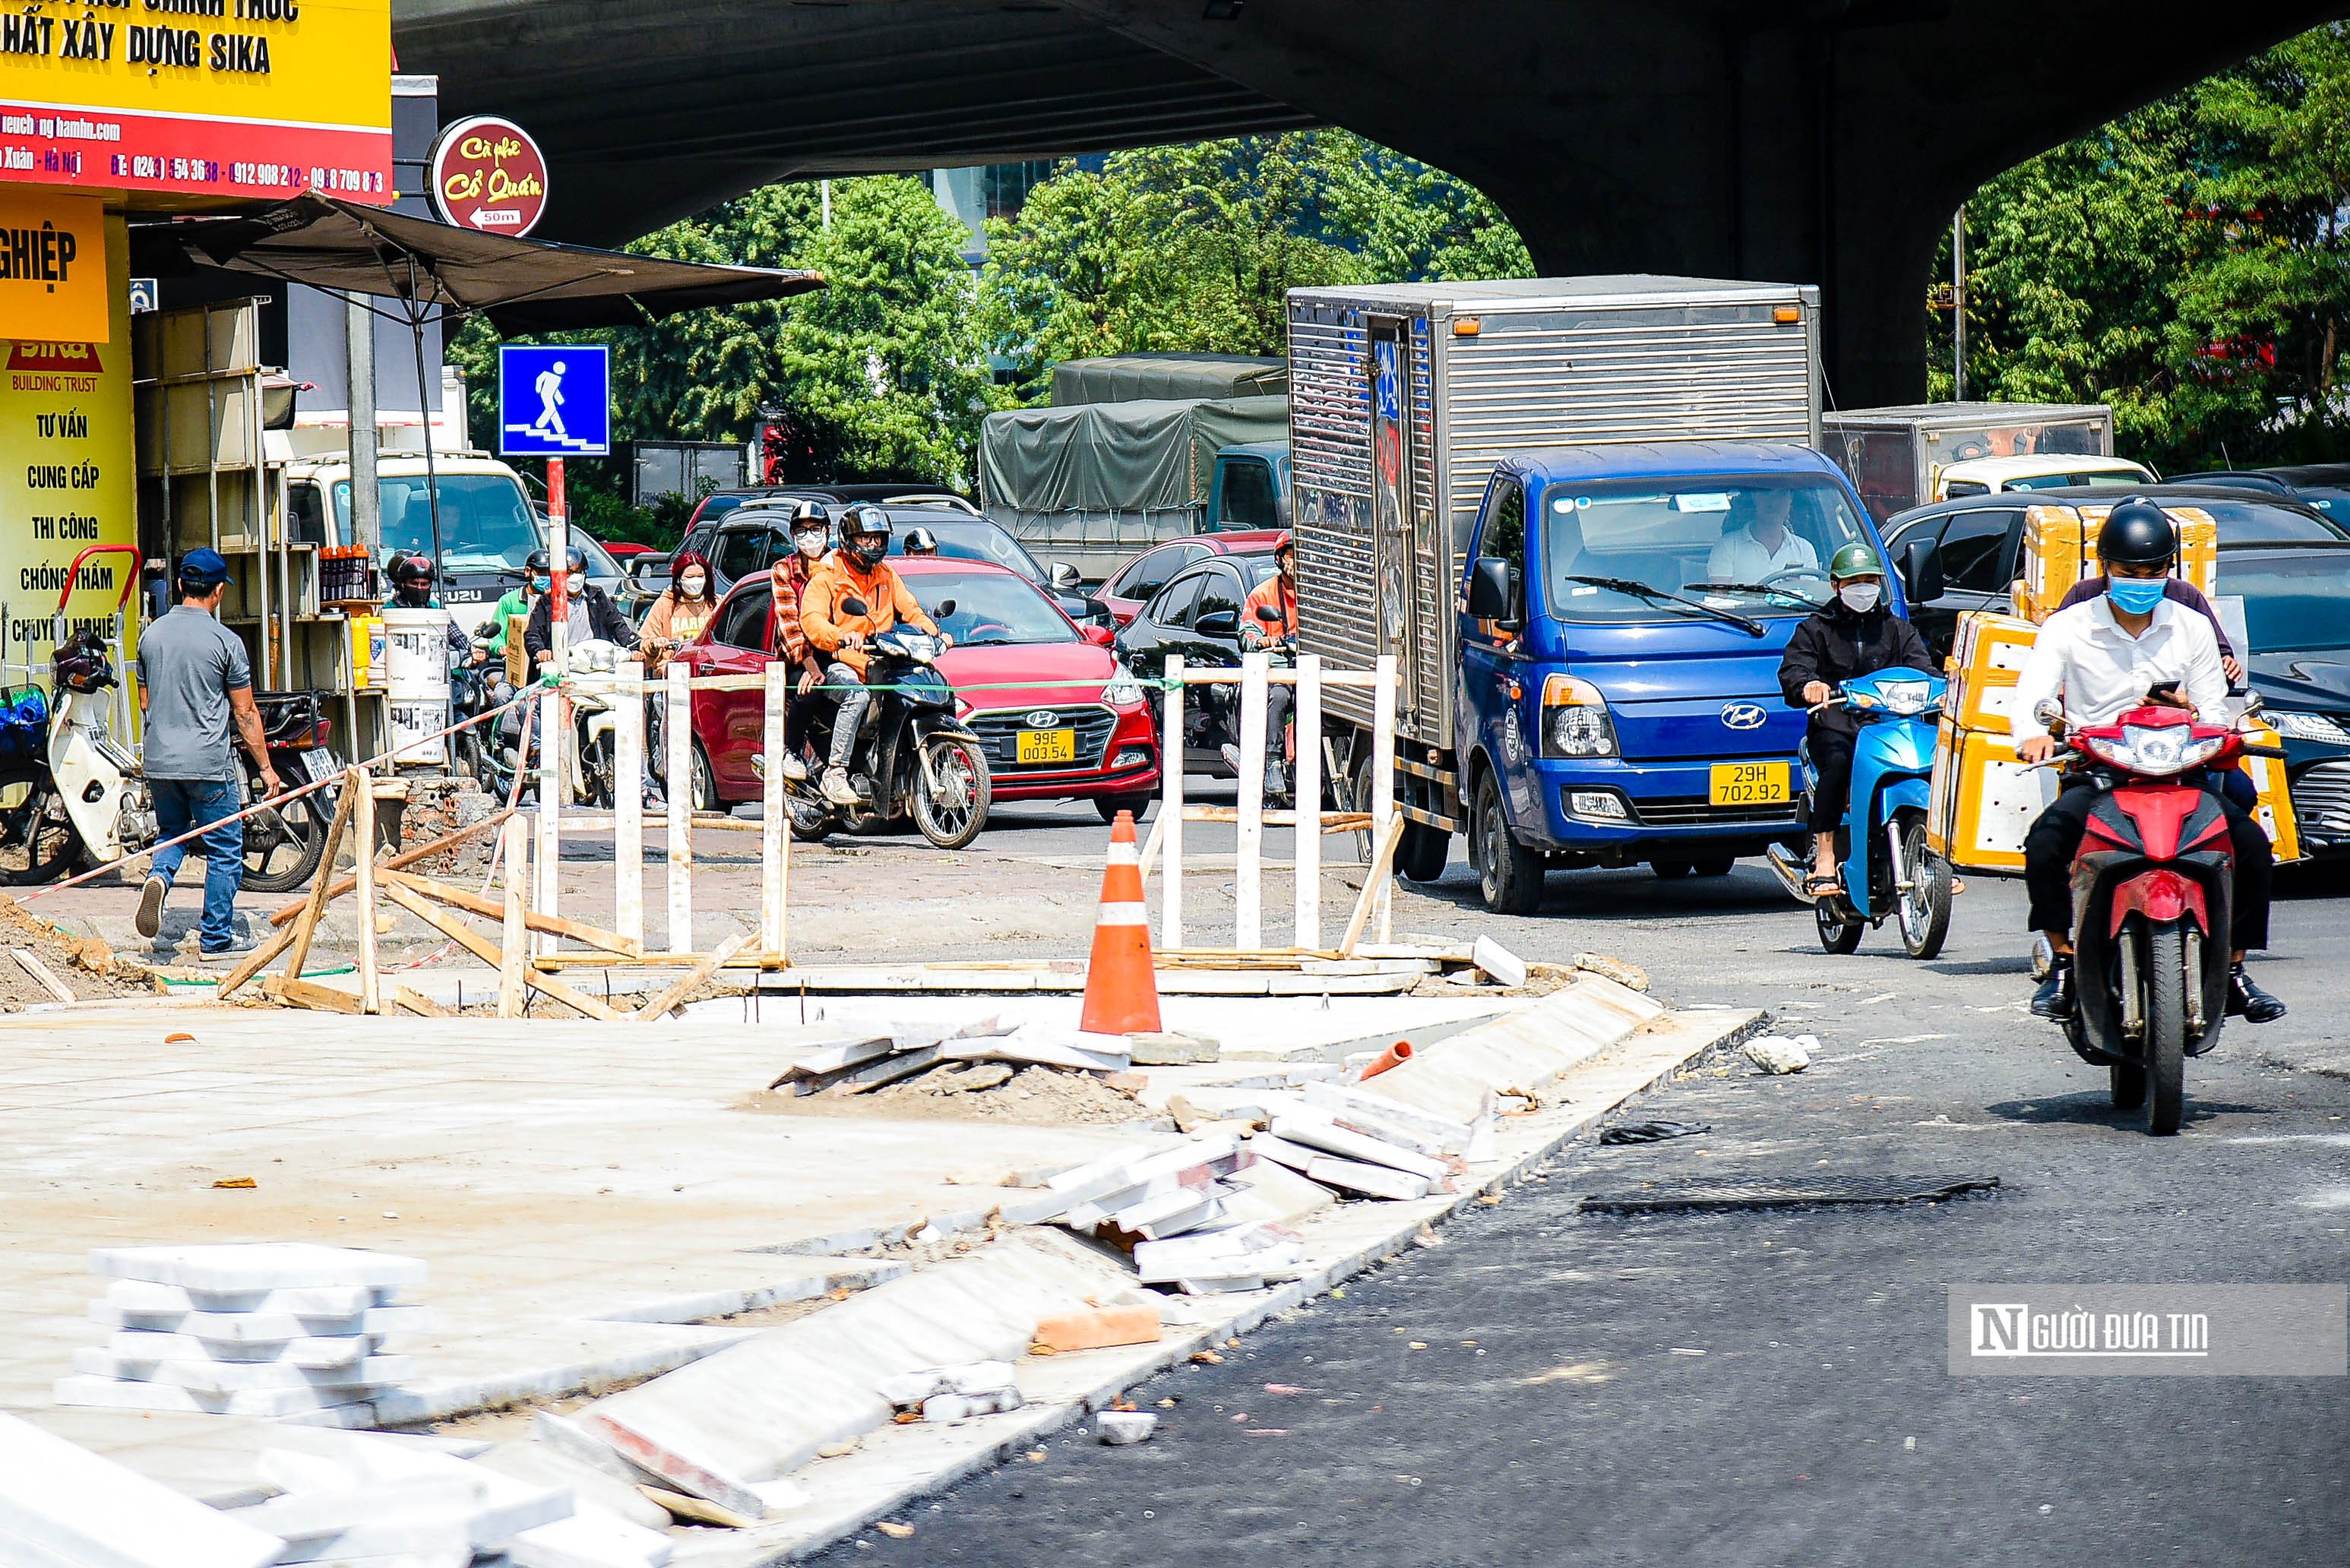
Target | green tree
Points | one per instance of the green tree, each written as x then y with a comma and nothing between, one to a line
1411,223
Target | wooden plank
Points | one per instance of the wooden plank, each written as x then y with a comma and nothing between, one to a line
482,948
495,910
30,963
515,945
399,862
256,960
685,983
1374,883
1332,821
1305,789
309,994
363,829
554,795
417,1003
1170,808
628,808
321,890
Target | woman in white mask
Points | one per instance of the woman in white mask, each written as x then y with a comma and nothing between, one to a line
1852,634
678,617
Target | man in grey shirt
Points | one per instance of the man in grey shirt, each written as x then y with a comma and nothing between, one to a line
194,680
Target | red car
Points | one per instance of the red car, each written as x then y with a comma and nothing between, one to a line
1058,715
1130,586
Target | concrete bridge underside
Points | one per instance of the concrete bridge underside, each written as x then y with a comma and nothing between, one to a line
1812,141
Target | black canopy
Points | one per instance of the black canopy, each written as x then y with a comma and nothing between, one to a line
523,285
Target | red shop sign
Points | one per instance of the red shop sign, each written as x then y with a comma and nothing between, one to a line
488,175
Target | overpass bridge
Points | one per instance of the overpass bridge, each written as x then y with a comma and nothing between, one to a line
1806,141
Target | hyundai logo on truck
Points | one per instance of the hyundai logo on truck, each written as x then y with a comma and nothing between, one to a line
1742,716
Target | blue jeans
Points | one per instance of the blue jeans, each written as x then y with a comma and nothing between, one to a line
184,803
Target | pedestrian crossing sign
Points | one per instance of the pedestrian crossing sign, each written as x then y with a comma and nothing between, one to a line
555,401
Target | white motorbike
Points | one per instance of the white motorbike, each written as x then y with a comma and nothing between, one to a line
75,792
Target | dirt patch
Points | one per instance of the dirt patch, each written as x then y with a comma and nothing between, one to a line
83,965
974,1091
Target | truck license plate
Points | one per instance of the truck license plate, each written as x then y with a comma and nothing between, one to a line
1750,784
1055,746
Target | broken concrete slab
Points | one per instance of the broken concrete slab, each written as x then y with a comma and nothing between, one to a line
112,1394
1525,1049
591,1538
1371,1180
1341,1099
1315,1130
965,1406
542,1464
62,1506
1171,1049
1119,1428
207,1377
752,1414
1507,968
1275,1194
256,1266
908,1389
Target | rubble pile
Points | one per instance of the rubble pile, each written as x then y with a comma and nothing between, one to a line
263,1329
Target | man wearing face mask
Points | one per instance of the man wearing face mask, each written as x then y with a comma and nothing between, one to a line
858,570
1854,634
811,531
411,588
2097,661
592,614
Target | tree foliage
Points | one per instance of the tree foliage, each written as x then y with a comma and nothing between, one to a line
2186,264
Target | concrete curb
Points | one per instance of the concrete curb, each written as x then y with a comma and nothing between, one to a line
899,1464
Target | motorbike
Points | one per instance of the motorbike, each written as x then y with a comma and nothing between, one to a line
1889,869
2152,885
1218,723
913,756
284,843
475,689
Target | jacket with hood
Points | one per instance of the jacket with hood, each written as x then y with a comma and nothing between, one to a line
1834,645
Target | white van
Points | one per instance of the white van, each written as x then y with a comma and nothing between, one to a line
2047,471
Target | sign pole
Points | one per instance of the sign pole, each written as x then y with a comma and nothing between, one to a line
558,556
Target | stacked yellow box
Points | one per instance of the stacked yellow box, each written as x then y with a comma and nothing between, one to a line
2060,548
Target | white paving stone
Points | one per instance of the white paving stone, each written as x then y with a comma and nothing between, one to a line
256,1266
60,1503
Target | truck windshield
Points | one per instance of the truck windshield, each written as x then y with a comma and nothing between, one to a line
486,520
1758,546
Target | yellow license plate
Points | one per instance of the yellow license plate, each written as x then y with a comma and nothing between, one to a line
1750,784
1060,746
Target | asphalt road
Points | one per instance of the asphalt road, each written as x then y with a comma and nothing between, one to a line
1769,1387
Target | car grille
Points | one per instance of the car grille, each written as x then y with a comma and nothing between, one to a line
1696,811
999,733
2321,800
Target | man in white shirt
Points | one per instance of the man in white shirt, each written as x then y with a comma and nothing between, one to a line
2099,659
1764,546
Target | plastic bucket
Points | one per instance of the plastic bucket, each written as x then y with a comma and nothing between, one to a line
407,722
416,655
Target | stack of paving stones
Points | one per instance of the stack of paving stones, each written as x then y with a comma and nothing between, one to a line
266,1329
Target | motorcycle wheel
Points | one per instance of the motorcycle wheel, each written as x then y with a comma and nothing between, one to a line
2127,1081
2166,1028
283,844
37,840
596,770
1835,934
953,816
1924,911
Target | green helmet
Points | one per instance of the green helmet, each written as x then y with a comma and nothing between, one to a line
1854,560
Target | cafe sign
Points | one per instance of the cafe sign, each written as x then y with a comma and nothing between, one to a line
490,176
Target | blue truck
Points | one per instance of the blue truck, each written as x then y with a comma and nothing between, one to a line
1584,515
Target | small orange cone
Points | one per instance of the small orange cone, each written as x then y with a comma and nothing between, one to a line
1122,988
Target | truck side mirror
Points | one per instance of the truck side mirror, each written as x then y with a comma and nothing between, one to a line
1493,589
1921,571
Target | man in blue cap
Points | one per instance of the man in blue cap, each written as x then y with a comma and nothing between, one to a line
194,679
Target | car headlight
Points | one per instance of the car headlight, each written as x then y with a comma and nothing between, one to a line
2315,727
1574,721
1123,691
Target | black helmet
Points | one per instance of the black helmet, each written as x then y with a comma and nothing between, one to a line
857,526
574,560
81,665
407,569
806,512
2137,534
540,561
921,541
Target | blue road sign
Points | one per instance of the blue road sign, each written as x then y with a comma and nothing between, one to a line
555,401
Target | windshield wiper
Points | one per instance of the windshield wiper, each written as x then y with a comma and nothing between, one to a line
1784,592
1651,591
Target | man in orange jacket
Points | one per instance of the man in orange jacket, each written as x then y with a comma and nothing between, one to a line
1277,593
858,570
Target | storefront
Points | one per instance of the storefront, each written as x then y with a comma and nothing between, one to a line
173,107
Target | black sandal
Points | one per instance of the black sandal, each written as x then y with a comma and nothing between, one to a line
1823,886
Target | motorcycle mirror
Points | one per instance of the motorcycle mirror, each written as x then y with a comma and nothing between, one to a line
855,606
946,607
1268,614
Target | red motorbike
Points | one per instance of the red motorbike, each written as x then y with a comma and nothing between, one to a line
2152,884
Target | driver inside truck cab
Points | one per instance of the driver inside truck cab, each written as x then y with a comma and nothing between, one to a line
1759,546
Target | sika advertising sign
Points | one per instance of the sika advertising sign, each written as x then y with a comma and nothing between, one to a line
202,98
52,266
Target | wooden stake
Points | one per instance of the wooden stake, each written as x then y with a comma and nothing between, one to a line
363,827
418,1002
516,947
680,697
1374,883
473,942
710,964
309,994
495,910
628,808
30,963
554,795
321,890
776,842
399,862
1170,808
1248,880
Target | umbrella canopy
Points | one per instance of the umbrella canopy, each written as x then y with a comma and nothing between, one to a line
523,285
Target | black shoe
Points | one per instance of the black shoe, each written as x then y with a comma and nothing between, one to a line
2053,1000
150,918
2249,1001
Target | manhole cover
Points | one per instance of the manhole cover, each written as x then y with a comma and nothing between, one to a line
1758,1193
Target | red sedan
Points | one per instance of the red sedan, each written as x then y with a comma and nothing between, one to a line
1059,717
1130,586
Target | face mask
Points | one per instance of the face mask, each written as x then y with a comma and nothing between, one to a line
576,584
539,584
2138,596
1861,598
694,585
811,544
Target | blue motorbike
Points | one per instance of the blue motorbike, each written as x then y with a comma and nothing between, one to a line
1889,870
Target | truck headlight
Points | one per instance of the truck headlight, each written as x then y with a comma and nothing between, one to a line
1574,721
2315,727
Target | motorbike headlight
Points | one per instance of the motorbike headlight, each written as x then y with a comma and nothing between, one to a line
1123,691
2315,727
1575,721
2171,749
1906,697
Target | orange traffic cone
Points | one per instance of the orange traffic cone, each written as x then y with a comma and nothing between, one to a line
1121,990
